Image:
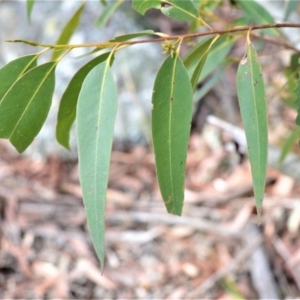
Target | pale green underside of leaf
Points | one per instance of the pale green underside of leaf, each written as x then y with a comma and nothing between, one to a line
171,124
258,14
12,71
181,10
290,6
288,143
29,7
141,6
251,95
68,31
68,103
107,13
215,59
131,36
96,110
24,108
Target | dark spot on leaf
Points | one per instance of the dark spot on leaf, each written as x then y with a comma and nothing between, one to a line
172,98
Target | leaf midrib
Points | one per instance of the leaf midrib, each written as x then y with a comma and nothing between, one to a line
31,99
170,128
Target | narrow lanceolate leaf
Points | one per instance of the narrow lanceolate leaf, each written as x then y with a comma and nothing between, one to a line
141,6
68,103
96,110
68,31
12,71
290,6
216,56
251,94
107,12
288,144
297,100
24,108
196,53
180,10
257,14
199,67
29,7
131,36
171,124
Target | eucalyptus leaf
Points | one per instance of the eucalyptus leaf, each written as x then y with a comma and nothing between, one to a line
68,31
68,103
24,108
297,100
29,7
196,53
290,6
258,14
96,110
180,10
12,71
171,123
216,57
251,95
107,12
288,143
141,6
131,36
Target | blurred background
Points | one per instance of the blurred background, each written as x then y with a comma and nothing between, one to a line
216,250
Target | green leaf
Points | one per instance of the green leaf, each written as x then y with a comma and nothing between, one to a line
107,13
141,6
23,110
96,110
290,6
208,85
131,36
29,7
196,53
68,103
180,10
251,94
297,100
258,14
288,143
12,71
199,67
68,31
171,123
216,56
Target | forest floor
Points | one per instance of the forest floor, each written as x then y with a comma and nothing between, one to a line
216,250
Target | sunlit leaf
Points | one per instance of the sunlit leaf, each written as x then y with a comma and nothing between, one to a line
107,12
68,103
24,108
29,7
180,10
12,71
141,6
288,143
68,31
171,124
258,14
96,110
251,95
131,36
